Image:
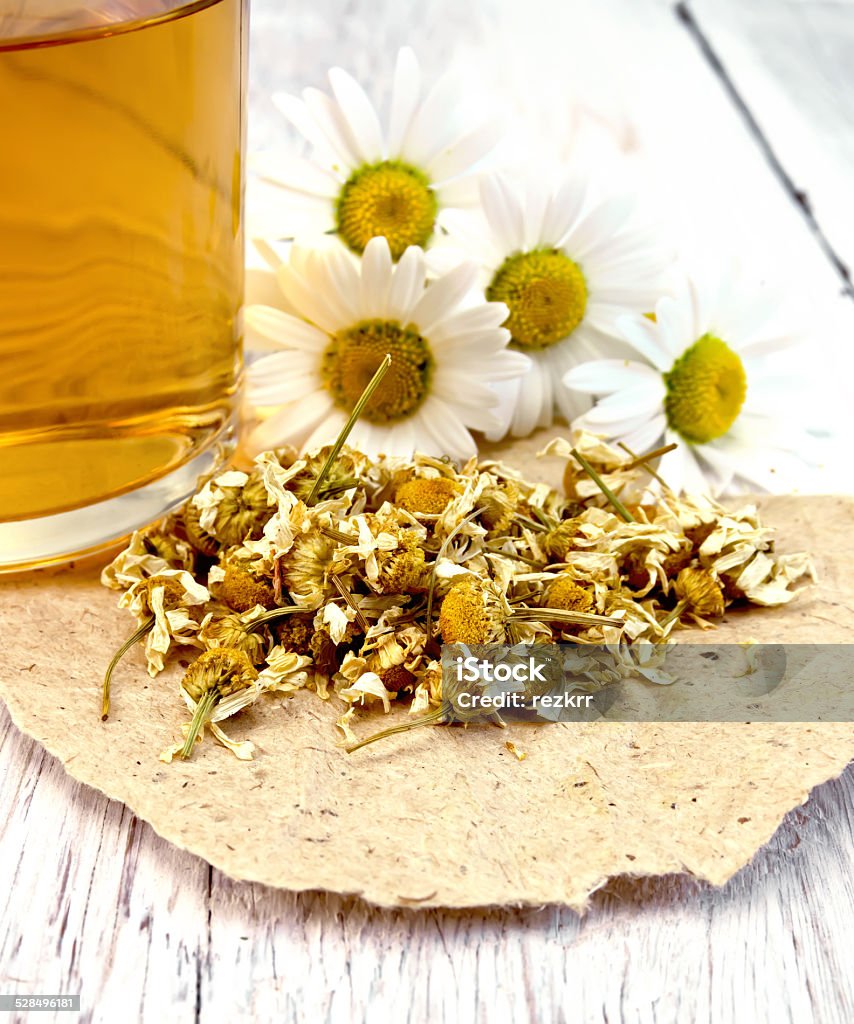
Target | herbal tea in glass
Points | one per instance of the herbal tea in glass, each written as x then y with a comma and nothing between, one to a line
120,262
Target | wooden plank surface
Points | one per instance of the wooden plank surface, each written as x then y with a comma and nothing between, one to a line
95,902
791,62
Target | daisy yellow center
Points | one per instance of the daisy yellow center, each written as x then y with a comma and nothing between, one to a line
546,294
705,390
354,356
390,199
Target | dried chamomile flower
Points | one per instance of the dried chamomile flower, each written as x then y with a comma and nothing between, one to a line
345,473
236,584
565,593
232,629
403,570
294,633
558,541
305,568
498,503
232,507
699,592
427,497
219,683
472,612
148,553
285,671
160,604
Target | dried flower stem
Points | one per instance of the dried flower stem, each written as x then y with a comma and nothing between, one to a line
433,718
618,506
642,460
143,630
674,614
337,535
362,622
561,615
382,370
272,615
204,707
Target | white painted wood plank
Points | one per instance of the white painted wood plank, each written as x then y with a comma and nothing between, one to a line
793,64
92,901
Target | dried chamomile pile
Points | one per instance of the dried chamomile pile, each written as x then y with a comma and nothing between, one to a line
344,575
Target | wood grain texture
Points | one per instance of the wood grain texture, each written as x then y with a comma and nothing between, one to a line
95,901
791,63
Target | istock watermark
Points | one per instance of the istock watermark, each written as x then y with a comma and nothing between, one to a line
645,682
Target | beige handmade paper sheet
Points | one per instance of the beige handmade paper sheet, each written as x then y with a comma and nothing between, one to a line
439,816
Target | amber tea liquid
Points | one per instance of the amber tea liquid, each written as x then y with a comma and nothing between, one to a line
120,265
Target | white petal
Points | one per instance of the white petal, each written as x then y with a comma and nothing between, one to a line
643,438
675,322
404,101
671,467
503,209
295,173
326,432
641,334
533,404
274,380
484,317
360,115
430,128
376,279
609,375
296,111
407,284
292,423
561,213
443,296
464,153
449,435
334,128
535,209
285,330
597,228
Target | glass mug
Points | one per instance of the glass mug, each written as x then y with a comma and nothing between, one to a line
121,262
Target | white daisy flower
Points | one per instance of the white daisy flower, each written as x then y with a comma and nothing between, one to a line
566,268
445,353
364,180
711,381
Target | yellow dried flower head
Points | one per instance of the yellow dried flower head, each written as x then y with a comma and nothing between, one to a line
344,473
427,497
221,671
294,633
240,512
568,595
200,539
700,591
499,504
305,568
231,631
471,613
557,543
241,589
176,552
174,593
404,570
